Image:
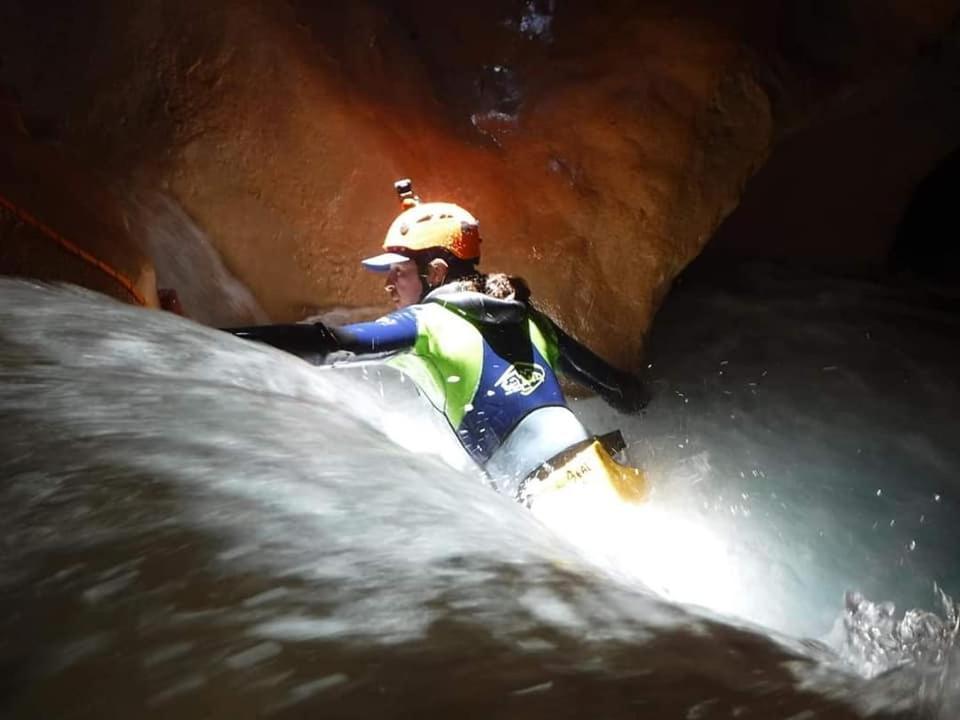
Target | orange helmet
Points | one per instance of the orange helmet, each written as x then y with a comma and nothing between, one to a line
427,226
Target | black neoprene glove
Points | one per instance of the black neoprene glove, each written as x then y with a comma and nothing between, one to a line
303,339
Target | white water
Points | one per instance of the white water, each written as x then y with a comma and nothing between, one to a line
215,524
815,423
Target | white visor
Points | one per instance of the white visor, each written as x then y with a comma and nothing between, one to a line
382,263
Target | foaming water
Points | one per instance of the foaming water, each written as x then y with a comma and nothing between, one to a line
875,639
807,428
209,526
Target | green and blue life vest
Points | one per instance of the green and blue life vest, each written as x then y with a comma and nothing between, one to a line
485,363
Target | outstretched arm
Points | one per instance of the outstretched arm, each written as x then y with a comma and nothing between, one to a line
622,390
303,339
396,331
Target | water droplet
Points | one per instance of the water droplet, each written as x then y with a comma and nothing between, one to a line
879,492
936,498
913,545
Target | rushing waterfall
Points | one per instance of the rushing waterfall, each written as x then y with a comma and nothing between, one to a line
196,526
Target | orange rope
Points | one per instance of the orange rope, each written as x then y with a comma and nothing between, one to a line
70,247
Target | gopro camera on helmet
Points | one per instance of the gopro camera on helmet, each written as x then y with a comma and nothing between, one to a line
404,188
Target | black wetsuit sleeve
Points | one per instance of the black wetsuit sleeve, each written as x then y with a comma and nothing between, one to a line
314,341
303,339
622,390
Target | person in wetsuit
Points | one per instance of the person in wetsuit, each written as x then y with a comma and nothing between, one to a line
473,343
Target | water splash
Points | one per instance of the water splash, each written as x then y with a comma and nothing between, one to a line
876,640
228,528
918,650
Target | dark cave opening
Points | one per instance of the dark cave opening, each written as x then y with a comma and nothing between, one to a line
927,244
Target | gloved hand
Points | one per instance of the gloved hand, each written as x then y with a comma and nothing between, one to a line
298,338
630,396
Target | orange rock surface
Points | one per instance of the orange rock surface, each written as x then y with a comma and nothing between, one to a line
599,144
58,224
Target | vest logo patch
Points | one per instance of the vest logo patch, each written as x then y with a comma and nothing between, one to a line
521,378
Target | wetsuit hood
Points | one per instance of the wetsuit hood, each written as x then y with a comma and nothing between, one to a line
477,306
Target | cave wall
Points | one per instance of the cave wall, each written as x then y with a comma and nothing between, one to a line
926,244
600,144
59,223
834,192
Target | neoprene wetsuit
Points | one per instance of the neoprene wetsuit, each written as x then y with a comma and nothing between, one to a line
490,366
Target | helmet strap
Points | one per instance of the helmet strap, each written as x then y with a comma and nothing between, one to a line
423,272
